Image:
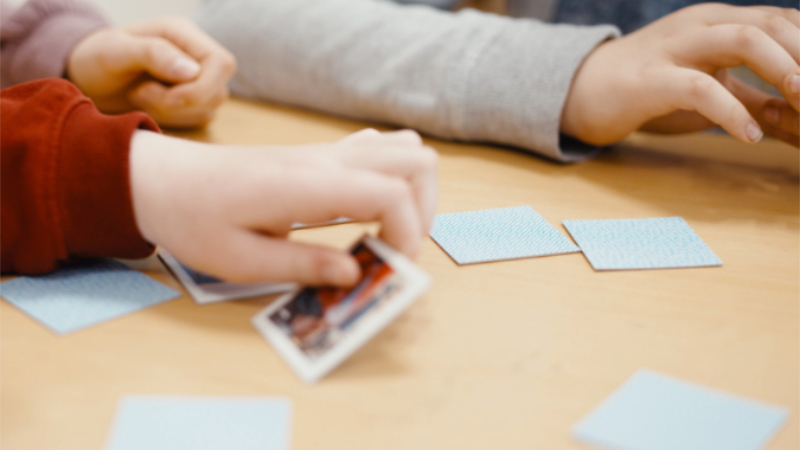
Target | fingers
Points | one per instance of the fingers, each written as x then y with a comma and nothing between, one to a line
776,117
217,64
155,99
402,154
365,135
697,91
158,57
317,194
181,31
780,115
732,45
250,257
369,136
787,36
780,24
210,88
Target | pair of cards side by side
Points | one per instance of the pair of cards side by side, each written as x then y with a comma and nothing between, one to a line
316,329
520,232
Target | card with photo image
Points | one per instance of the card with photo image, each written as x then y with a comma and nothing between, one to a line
207,289
315,329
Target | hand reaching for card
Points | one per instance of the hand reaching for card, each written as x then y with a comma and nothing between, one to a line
227,211
671,77
166,67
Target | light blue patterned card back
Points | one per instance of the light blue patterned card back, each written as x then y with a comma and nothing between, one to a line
79,296
198,423
660,243
498,234
651,411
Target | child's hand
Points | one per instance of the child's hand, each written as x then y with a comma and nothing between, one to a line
227,211
671,77
168,68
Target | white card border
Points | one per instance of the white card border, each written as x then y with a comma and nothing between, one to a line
311,371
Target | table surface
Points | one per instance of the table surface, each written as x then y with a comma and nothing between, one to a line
504,355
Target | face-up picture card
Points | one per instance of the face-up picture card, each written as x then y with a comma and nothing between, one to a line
651,411
498,234
207,289
625,244
84,294
201,423
314,329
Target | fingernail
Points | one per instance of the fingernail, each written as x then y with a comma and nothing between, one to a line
794,84
771,115
754,132
185,68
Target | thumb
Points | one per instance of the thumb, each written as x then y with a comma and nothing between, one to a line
160,58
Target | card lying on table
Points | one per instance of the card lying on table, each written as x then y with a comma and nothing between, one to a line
315,329
655,412
207,289
198,423
85,294
498,234
660,243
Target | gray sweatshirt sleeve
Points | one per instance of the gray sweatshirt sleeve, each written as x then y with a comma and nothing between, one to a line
37,39
467,76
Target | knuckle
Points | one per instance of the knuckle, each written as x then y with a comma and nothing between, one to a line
700,86
702,10
156,48
228,62
429,159
773,24
746,36
177,21
398,191
412,136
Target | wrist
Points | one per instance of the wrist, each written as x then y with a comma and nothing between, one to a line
589,111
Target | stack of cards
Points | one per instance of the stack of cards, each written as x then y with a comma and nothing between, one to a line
315,329
207,289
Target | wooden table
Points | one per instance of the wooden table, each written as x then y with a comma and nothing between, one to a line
506,355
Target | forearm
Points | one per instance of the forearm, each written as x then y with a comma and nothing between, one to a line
38,37
466,76
65,179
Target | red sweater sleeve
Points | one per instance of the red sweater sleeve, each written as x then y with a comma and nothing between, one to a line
65,186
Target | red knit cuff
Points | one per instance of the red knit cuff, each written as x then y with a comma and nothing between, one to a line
93,180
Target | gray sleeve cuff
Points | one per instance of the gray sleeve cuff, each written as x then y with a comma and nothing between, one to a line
515,89
40,36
